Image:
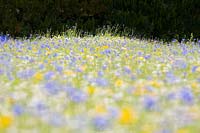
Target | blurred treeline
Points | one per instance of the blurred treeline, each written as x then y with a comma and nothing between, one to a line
145,18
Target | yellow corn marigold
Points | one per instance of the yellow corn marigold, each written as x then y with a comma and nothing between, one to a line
90,90
119,83
5,121
183,130
38,76
100,109
127,116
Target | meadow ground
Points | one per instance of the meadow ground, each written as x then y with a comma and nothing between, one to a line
99,84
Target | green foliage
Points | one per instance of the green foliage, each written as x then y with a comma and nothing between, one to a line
145,18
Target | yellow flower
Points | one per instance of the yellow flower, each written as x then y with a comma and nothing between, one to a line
34,49
85,50
183,130
127,116
105,47
10,100
90,90
198,69
119,83
100,109
83,68
38,76
155,84
69,73
141,58
97,48
194,85
5,121
158,52
48,52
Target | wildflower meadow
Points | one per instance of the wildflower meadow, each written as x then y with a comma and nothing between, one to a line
108,84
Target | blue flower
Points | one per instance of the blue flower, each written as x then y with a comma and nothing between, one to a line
9,76
52,87
180,64
127,70
59,69
113,112
100,123
26,74
49,75
104,66
171,78
55,55
147,57
194,68
100,73
185,51
149,103
1,72
75,95
41,66
40,106
78,96
18,110
186,95
171,96
106,52
3,38
101,82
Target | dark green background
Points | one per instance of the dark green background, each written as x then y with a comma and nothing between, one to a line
144,18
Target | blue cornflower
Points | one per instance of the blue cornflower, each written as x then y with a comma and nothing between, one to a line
59,69
52,87
9,76
174,40
104,66
194,68
40,106
18,110
55,55
113,112
26,74
100,123
180,64
171,78
41,66
1,72
147,57
101,82
140,53
186,95
127,70
100,73
49,75
77,96
3,38
149,103
106,52
171,96
185,51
